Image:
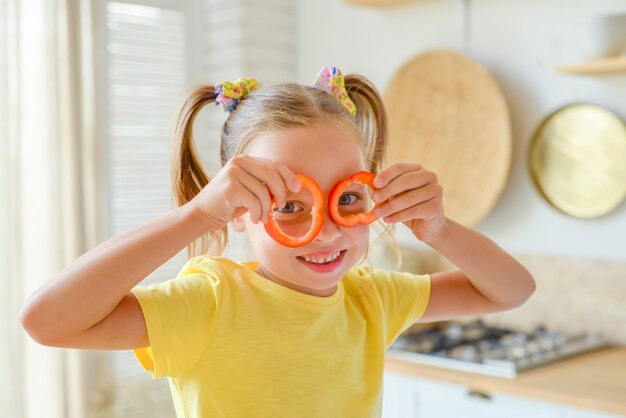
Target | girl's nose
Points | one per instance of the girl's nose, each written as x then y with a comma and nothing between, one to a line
330,230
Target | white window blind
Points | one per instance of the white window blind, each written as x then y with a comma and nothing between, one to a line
154,51
145,80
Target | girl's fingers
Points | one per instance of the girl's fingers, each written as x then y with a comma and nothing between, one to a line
260,192
386,176
265,165
409,199
423,210
277,177
404,182
289,178
249,200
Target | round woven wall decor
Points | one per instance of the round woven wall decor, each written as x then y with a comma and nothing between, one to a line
447,113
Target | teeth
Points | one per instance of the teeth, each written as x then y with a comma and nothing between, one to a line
321,260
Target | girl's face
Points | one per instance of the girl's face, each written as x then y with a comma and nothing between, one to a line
328,156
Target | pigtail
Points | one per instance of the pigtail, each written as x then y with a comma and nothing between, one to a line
371,119
188,176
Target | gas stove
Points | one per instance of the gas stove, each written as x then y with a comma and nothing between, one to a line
479,348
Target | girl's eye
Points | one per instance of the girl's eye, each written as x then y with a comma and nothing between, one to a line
348,199
290,207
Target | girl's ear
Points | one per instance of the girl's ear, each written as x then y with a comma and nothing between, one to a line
239,224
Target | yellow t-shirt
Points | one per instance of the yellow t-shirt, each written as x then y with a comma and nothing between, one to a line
235,344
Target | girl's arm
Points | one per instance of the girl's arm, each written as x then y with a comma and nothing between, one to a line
489,279
90,305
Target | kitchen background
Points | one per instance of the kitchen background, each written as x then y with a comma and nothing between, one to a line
579,264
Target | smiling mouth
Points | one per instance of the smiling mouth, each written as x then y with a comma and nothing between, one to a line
321,259
323,264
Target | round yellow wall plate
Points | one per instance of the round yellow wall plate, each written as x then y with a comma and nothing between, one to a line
578,160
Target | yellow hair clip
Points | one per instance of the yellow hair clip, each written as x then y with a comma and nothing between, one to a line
331,81
230,93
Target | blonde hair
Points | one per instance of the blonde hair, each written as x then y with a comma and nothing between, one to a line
272,109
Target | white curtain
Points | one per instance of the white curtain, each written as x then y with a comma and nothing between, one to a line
48,190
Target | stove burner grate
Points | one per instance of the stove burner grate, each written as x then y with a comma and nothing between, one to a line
476,347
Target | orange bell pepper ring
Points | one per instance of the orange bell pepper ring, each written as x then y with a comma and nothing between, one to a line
316,224
362,177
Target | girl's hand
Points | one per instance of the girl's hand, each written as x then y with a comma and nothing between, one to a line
412,195
244,185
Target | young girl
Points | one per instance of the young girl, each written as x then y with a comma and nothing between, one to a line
303,330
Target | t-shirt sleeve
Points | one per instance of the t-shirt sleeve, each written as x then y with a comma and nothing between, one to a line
404,298
180,315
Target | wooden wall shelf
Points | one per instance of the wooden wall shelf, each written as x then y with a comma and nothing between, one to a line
596,67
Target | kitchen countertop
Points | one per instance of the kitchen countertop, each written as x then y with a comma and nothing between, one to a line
595,380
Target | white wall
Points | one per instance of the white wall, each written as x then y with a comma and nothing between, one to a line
520,42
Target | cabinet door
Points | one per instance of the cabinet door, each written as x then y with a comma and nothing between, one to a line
445,400
571,412
399,395
410,397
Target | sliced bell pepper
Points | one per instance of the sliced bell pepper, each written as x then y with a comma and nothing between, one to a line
317,213
362,177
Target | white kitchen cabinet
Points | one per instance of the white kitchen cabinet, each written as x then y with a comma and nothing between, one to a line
445,400
586,413
411,397
400,393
